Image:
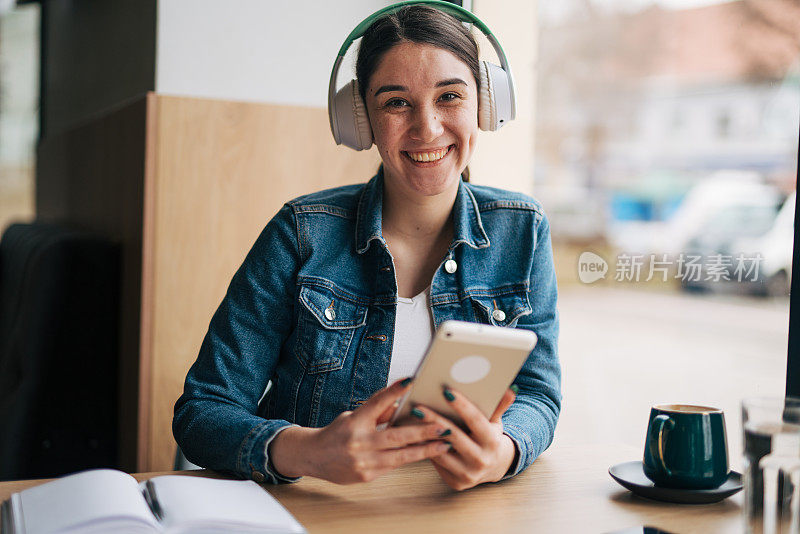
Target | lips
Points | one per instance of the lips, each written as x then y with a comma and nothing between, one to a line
428,157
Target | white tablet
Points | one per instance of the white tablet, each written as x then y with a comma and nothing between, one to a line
480,361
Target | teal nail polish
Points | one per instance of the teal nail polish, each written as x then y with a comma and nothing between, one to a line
449,395
416,412
514,388
406,381
445,432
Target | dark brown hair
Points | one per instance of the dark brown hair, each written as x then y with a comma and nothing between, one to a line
417,24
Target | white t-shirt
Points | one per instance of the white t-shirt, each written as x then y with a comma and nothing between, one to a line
413,331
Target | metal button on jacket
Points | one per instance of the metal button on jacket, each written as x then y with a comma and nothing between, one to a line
258,476
450,266
499,315
330,314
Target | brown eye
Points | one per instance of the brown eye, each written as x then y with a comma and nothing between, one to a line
449,97
396,103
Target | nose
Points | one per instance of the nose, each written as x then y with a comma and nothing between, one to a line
427,125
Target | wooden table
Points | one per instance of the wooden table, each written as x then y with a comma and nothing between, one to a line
567,490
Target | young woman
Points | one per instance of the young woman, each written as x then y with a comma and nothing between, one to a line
343,289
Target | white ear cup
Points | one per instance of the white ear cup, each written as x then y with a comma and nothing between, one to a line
486,110
495,102
352,123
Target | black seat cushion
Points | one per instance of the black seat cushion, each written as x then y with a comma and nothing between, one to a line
59,315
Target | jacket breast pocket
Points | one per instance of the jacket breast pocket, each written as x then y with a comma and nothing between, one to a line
501,310
326,325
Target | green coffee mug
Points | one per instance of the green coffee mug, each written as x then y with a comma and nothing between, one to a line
686,447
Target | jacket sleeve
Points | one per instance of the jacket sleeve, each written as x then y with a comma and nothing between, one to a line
215,421
531,421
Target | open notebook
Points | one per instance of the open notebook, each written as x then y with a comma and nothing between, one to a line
106,500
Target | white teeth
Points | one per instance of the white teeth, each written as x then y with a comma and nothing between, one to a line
428,156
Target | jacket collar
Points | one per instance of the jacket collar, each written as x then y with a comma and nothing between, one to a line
467,217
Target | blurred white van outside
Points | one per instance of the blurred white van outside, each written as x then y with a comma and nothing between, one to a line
775,247
721,191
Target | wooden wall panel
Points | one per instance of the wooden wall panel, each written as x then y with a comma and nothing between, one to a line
220,171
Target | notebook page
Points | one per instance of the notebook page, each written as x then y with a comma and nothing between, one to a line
81,499
212,502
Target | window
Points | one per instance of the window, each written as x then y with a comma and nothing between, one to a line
19,102
689,212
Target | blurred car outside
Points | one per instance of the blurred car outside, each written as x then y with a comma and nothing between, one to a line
775,248
720,264
715,210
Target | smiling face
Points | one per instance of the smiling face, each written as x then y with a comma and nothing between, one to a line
422,103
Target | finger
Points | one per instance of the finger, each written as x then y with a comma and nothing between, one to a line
463,444
477,423
445,475
448,477
402,436
451,463
396,457
387,414
508,399
383,399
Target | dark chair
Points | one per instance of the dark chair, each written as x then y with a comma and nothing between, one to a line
182,463
59,322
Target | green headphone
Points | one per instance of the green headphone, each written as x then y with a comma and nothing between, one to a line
348,114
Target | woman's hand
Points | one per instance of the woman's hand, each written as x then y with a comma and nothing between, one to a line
483,455
351,449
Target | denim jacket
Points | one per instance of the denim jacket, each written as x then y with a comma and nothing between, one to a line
311,312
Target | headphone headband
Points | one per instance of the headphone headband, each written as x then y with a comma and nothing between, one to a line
456,11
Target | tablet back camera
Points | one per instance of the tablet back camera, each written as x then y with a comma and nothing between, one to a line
470,369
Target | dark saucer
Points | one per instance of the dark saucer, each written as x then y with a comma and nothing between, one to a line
631,476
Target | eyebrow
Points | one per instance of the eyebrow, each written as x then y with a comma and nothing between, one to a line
451,81
390,88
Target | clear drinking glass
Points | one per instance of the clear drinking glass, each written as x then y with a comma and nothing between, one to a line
771,428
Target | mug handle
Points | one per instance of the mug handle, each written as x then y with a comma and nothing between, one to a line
658,437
